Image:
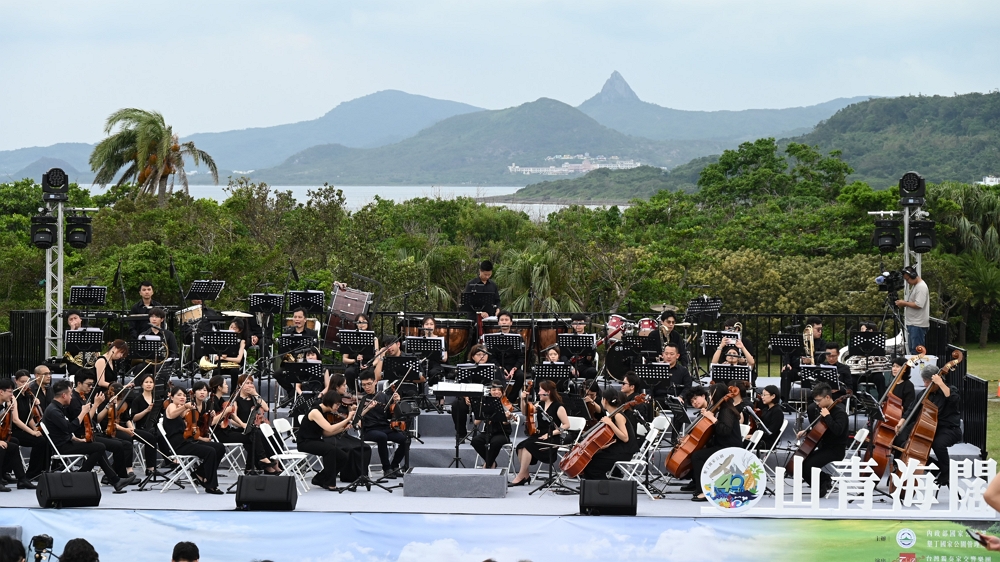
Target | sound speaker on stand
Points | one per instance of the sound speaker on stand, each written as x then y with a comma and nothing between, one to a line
266,493
68,489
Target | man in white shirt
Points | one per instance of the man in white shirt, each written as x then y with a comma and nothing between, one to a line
918,311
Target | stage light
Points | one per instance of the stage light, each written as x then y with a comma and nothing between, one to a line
886,236
55,185
43,229
921,236
78,231
912,190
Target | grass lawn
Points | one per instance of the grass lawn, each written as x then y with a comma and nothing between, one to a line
985,364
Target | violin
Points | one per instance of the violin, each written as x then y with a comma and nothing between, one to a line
5,424
112,415
529,410
191,430
679,461
598,438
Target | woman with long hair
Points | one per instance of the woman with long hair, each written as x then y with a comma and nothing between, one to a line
540,446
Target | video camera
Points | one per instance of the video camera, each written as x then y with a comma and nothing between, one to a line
890,281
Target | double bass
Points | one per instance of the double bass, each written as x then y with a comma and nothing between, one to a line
599,437
922,435
814,434
892,410
697,436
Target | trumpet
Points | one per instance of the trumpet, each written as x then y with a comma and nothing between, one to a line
205,364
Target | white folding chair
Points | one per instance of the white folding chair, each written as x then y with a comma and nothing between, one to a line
754,439
767,455
293,462
69,462
744,430
233,457
634,469
508,446
576,424
852,451
185,463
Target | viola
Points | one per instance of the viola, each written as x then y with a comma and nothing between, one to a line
598,438
224,424
814,433
88,428
884,433
699,433
529,410
922,435
191,430
112,415
5,424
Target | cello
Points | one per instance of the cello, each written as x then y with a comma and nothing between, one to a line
697,436
922,435
599,437
892,410
814,433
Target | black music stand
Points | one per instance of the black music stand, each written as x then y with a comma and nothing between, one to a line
205,290
88,295
502,345
313,302
678,418
871,406
821,373
221,342
291,343
403,368
727,372
555,372
786,344
702,306
577,344
266,303
471,373
424,348
653,374
646,345
305,373
148,347
867,345
85,340
357,342
711,339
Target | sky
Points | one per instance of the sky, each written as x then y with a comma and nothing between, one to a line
222,65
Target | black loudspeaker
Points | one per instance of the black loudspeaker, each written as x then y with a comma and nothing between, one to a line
266,493
68,489
608,497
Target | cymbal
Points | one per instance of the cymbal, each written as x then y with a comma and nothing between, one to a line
684,325
235,314
663,307
137,316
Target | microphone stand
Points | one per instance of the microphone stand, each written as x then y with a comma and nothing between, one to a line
250,466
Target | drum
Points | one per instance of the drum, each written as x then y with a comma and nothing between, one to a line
189,314
349,303
547,330
335,323
455,331
311,323
619,323
646,326
619,360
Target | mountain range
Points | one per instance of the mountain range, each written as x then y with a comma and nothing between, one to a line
395,137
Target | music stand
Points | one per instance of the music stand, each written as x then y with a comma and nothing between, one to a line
477,302
727,372
577,344
84,340
424,347
703,305
205,290
648,344
678,418
471,373
786,343
87,295
871,406
148,347
313,302
290,343
310,371
654,374
711,339
866,344
822,373
221,342
555,372
395,368
503,342
357,342
266,303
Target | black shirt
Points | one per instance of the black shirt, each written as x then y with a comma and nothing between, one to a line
949,408
167,337
843,374
308,429
60,425
907,393
837,426
772,418
477,286
376,418
727,428
138,326
679,380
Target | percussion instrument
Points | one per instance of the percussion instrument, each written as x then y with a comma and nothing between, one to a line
455,331
647,325
311,323
189,314
620,323
620,359
345,305
546,330
236,314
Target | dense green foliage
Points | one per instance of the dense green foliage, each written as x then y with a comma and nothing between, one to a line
599,186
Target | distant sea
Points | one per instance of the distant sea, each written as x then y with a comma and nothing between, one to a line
360,195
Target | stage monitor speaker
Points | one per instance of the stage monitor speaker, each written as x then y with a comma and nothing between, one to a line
266,493
68,489
608,497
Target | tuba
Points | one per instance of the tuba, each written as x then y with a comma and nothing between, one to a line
205,364
810,344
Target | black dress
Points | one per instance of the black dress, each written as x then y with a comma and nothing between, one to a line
726,434
311,440
542,449
209,455
604,460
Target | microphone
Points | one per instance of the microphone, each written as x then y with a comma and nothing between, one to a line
173,270
295,274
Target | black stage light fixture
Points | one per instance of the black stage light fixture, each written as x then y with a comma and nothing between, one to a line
912,190
886,236
43,229
921,236
55,185
78,231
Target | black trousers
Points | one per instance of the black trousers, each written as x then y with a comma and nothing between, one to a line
944,437
334,458
698,460
10,459
38,462
96,454
148,440
818,459
359,455
210,453
460,415
121,453
382,437
489,446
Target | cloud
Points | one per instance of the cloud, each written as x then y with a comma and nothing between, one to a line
449,550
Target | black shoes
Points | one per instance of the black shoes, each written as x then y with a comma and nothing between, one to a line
25,485
214,491
521,483
122,482
4,488
689,487
699,498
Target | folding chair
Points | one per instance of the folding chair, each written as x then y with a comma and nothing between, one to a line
185,463
558,480
770,452
234,455
69,462
635,468
508,447
852,451
293,461
754,439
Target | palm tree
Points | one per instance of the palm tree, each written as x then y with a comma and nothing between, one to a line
538,269
976,220
983,278
148,150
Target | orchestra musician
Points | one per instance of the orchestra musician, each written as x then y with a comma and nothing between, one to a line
375,425
769,403
583,363
83,393
104,366
157,317
543,444
354,363
679,379
483,284
904,389
40,386
298,327
632,387
735,351
792,361
25,424
460,407
246,399
949,429
123,428
622,447
590,397
668,319
84,359
434,368
843,371
359,453
512,362
726,422
496,426
315,431
238,361
175,425
62,429
10,453
143,306
833,443
139,408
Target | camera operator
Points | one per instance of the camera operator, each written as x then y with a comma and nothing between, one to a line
918,313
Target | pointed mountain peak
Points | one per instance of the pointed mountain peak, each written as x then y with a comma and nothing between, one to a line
617,89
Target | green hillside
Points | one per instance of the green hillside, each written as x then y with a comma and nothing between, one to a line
599,186
476,148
